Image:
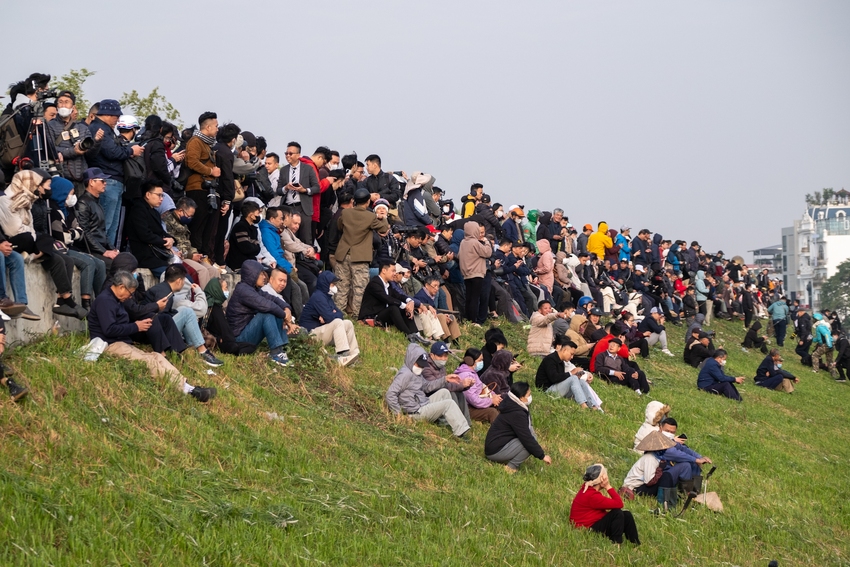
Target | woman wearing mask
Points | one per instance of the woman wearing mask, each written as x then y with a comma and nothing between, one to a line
219,334
597,506
158,140
479,397
501,371
511,438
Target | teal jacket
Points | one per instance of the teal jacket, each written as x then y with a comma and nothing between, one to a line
778,310
822,334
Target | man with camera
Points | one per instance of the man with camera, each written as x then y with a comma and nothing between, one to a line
110,159
73,140
202,185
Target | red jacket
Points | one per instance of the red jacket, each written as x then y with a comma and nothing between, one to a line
602,346
589,506
323,186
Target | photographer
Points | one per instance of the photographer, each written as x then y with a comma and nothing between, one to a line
73,140
23,96
202,185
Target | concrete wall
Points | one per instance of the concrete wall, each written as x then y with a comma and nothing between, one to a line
41,296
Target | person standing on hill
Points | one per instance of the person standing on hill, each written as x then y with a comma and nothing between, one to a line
779,312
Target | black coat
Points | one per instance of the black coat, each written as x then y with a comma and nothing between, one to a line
550,372
156,163
376,298
513,422
244,244
92,221
386,185
145,230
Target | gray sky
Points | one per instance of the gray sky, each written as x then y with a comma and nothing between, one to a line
706,121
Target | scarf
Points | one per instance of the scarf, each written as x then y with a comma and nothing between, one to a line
595,481
214,293
22,190
204,138
519,402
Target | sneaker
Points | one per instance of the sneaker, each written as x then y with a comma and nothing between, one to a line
348,359
86,303
11,308
840,379
15,390
417,338
280,358
638,392
210,359
203,395
65,309
29,315
667,352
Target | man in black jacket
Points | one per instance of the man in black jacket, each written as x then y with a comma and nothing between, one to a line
381,185
91,218
385,305
245,236
226,139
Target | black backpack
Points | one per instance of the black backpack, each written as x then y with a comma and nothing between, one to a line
134,176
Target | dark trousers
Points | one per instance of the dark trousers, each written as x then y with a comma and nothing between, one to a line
474,299
163,335
484,301
748,318
393,315
643,345
780,327
615,524
60,267
217,244
203,226
727,389
802,351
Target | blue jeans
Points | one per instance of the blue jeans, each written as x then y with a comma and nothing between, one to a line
92,272
264,325
111,203
15,263
187,323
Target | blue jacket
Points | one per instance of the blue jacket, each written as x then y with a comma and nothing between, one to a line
512,232
701,286
822,334
678,454
112,154
108,320
321,304
625,249
673,257
712,372
271,240
778,310
247,300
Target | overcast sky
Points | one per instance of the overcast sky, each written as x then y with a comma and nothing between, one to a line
698,120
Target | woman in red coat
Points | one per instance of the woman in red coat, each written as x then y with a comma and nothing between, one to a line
598,506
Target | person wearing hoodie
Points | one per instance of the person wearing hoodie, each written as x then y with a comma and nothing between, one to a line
771,376
656,250
623,240
511,438
254,315
413,206
753,340
479,397
578,324
655,411
324,321
406,396
545,269
540,335
599,242
500,371
702,292
778,311
711,378
822,339
472,257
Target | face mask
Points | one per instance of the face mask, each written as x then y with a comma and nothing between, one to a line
71,201
500,214
416,370
528,401
64,112
440,363
479,365
779,365
226,294
722,363
668,435
446,209
185,220
333,289
47,193
404,280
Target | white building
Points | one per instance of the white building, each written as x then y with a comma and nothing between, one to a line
813,248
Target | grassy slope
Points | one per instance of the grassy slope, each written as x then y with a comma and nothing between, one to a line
127,471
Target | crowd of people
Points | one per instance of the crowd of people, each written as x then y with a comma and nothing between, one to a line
320,241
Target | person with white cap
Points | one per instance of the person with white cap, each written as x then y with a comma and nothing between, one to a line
653,329
623,242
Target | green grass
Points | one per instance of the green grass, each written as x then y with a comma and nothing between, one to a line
127,471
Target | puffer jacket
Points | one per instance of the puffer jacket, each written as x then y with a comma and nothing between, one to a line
247,300
321,304
545,265
540,335
599,241
574,334
473,253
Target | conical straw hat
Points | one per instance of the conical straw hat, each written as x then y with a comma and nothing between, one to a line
655,441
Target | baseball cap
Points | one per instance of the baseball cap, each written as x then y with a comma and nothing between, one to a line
68,94
422,361
639,268
703,335
402,267
588,226
655,311
624,228
439,348
94,173
109,107
596,311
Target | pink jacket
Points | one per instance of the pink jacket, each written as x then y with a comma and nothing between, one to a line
546,265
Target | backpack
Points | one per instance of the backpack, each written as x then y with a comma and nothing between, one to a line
134,176
11,143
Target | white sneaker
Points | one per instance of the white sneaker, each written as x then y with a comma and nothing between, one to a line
667,352
638,392
348,359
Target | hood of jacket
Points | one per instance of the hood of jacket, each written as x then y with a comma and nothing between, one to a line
250,272
471,230
655,412
603,228
508,405
656,239
576,321
545,218
123,262
756,326
214,293
700,275
458,236
323,284
544,246
413,352
502,360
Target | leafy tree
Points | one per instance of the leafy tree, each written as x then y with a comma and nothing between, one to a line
73,81
153,103
835,292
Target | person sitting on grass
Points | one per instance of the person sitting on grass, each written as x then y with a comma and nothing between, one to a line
711,378
325,322
770,374
511,438
383,304
406,396
614,368
479,397
655,411
598,507
555,378
699,349
254,315
653,325
109,322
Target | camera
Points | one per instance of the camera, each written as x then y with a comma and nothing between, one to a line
86,144
211,186
46,94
